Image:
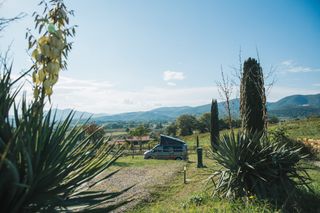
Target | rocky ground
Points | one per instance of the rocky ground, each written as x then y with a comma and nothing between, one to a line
143,180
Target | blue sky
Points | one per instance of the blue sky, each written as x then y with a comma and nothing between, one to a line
134,55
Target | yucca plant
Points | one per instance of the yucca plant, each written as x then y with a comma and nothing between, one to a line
46,165
253,166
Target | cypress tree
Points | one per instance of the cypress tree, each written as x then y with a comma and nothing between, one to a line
214,127
252,97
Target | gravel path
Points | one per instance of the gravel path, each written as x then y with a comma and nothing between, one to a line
144,179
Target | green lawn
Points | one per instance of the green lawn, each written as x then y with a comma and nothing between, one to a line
195,196
307,128
138,161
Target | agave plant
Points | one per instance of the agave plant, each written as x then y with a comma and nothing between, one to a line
253,166
47,165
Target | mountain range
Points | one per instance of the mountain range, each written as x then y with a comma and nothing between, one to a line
295,106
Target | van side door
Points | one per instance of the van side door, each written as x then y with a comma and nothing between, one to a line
168,152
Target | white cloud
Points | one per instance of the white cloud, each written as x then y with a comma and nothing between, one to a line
103,97
291,66
171,84
171,75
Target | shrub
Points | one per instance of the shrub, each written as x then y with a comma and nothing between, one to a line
214,127
252,165
280,136
186,124
45,165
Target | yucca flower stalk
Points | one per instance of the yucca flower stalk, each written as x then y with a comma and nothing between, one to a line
46,165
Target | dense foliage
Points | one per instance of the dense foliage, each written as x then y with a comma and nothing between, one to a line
46,165
186,124
252,97
214,127
254,166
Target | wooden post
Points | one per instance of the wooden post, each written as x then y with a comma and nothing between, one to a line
132,147
197,138
184,174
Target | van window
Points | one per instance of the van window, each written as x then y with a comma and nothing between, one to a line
158,149
167,149
177,149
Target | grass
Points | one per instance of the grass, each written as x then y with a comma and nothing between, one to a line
195,195
307,128
204,139
138,161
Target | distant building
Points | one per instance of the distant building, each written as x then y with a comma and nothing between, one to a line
135,140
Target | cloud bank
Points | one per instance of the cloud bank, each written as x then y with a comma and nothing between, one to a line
171,75
103,97
293,67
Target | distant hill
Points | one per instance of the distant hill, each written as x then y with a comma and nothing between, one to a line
167,113
295,106
63,113
296,101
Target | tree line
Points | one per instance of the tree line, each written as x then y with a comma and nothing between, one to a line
187,124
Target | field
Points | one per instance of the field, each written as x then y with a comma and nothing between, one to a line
160,186
308,128
195,196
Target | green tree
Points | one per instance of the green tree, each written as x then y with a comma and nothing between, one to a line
274,120
252,97
214,127
139,131
186,124
204,122
171,129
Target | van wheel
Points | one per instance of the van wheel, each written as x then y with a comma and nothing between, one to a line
150,157
178,158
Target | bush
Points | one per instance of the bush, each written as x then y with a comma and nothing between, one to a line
252,165
280,136
46,165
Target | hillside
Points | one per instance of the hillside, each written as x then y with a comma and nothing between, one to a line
295,106
296,101
62,114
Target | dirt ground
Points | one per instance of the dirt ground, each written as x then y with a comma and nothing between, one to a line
143,178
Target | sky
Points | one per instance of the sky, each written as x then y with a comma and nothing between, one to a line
136,55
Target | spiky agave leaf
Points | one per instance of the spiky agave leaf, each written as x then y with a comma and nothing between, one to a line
48,163
250,164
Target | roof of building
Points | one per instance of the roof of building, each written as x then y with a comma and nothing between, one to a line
136,138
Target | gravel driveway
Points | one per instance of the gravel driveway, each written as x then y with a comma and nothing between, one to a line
144,179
